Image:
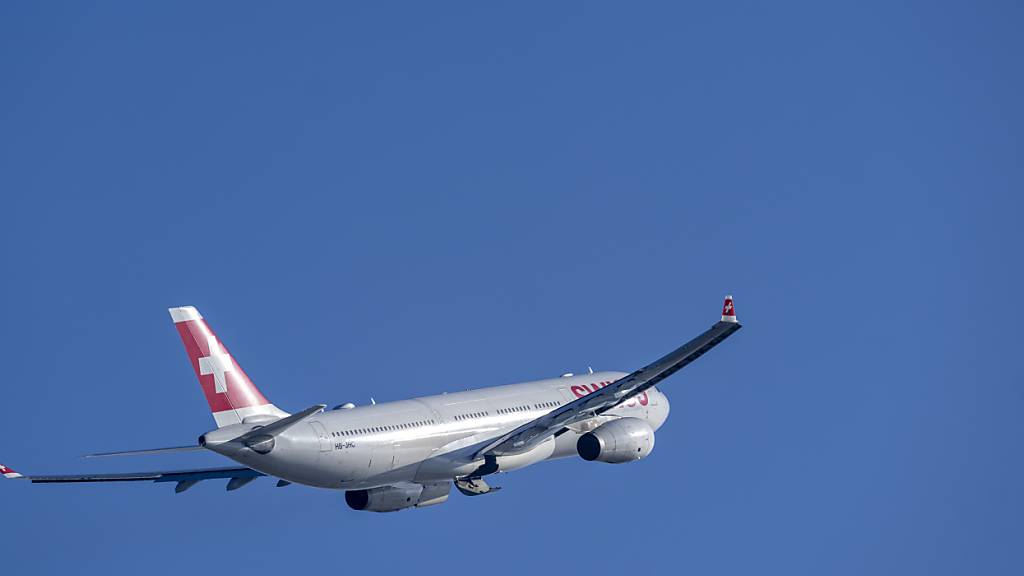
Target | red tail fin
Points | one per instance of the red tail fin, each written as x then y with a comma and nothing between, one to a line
8,473
230,393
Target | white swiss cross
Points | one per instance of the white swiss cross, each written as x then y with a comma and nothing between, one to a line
728,308
217,363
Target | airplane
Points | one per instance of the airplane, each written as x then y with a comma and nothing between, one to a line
391,456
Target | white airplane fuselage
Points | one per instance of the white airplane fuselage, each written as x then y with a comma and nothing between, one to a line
420,439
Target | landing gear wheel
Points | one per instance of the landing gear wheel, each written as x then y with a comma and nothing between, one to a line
474,486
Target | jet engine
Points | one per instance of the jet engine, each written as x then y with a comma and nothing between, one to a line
398,496
622,440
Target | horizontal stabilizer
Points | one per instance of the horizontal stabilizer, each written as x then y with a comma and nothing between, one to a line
146,451
278,426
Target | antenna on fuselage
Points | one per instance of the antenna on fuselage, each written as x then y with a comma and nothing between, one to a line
590,370
372,401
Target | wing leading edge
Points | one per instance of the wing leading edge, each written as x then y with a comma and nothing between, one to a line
529,435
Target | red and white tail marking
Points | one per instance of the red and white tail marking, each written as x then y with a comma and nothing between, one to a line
8,473
728,310
230,393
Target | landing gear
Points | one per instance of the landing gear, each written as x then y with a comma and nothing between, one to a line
473,483
474,486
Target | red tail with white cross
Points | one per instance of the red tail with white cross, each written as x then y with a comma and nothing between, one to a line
231,395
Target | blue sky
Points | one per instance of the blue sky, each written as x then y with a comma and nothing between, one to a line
402,199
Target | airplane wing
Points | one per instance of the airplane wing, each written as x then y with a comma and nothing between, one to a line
529,435
185,479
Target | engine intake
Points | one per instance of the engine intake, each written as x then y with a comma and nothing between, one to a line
398,496
618,441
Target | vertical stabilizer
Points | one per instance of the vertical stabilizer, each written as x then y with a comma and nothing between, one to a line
230,393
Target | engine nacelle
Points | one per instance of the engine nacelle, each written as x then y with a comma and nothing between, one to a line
398,496
622,440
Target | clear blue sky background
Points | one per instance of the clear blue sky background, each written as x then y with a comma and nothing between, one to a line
401,199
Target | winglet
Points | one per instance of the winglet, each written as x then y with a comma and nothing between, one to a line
728,310
8,473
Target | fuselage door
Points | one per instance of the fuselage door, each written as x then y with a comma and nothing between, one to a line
383,457
325,439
